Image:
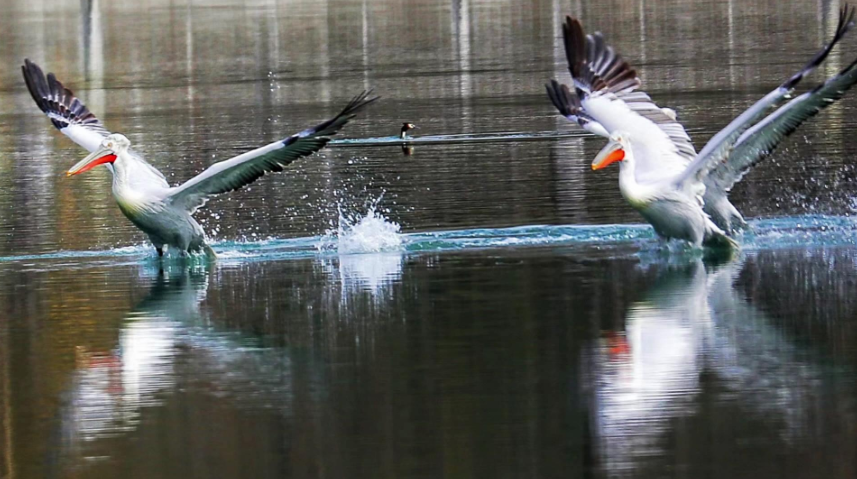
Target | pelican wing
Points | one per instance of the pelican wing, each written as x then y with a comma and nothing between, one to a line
234,173
65,110
595,68
760,141
719,149
569,105
600,74
594,65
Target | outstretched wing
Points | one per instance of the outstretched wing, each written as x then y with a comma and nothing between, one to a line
760,141
594,65
246,168
569,105
595,69
65,110
606,99
719,149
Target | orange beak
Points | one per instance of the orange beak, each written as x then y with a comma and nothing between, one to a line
99,157
610,154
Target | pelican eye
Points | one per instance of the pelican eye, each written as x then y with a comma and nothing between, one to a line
110,145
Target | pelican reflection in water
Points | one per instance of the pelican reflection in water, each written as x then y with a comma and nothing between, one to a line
691,327
162,341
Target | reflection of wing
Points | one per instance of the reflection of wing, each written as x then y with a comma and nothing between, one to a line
757,362
692,321
165,331
65,110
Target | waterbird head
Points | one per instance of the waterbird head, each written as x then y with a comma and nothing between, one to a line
406,127
613,152
111,147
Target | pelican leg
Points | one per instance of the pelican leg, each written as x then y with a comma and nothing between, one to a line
158,244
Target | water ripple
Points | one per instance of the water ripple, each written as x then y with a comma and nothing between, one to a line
373,233
457,138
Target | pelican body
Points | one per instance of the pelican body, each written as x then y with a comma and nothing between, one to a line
164,212
681,193
672,212
144,197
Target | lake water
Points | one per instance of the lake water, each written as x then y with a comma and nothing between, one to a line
472,309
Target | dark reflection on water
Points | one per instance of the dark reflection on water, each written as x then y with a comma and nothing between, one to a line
190,84
703,372
530,362
527,362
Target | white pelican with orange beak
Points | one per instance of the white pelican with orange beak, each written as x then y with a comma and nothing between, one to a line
682,194
164,212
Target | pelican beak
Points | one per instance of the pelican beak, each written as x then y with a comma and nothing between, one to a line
98,157
611,153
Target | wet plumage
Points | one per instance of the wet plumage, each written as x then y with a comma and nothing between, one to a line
682,193
142,193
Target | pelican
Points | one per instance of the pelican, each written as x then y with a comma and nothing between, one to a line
681,193
164,212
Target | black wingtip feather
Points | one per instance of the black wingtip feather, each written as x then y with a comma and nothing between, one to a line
362,100
575,43
32,76
594,65
333,125
193,194
552,96
845,23
828,93
56,100
359,102
565,102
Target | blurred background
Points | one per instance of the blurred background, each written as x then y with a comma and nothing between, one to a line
194,83
594,360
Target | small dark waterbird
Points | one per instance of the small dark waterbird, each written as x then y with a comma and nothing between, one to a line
164,212
403,133
681,193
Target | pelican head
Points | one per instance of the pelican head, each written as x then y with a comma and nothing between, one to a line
614,151
111,147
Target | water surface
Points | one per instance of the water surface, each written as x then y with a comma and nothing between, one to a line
483,306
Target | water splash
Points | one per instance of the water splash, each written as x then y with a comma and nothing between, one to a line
369,248
356,234
371,232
